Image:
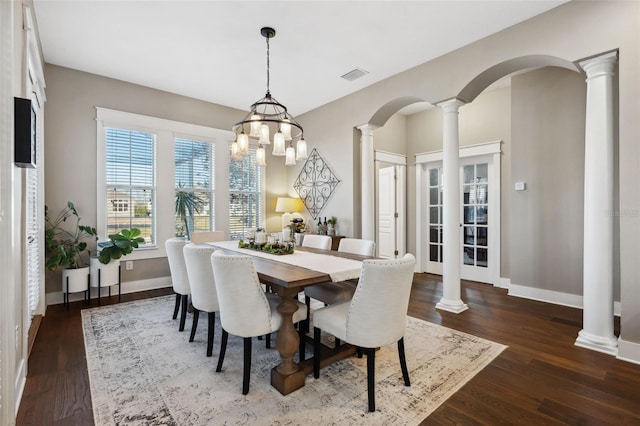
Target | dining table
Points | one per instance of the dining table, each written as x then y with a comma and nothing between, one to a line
287,275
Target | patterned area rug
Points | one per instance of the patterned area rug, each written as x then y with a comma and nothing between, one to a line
143,371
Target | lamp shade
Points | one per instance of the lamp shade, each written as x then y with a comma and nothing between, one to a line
287,205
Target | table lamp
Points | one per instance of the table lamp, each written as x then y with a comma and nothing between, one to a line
287,206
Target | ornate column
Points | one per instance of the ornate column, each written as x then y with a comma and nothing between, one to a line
452,246
597,331
367,181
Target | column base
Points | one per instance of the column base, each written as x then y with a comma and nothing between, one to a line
455,306
607,345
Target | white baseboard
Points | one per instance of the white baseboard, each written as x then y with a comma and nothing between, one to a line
127,287
21,381
550,296
629,351
504,283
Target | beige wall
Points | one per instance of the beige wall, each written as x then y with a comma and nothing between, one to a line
71,144
548,121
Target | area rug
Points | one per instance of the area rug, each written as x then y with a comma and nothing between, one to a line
143,371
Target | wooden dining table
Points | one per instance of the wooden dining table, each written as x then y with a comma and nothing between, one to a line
287,281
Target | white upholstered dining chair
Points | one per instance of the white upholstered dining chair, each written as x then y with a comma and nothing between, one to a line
245,309
331,293
375,317
317,241
179,277
203,288
207,236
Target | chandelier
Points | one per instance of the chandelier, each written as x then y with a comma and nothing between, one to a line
269,121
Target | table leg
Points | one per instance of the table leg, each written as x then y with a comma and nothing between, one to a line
287,377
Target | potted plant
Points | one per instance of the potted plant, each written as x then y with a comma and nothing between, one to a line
104,272
186,204
64,248
332,230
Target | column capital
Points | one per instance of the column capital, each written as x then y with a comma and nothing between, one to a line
367,129
450,105
600,65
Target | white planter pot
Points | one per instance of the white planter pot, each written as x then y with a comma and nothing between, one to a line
77,280
109,274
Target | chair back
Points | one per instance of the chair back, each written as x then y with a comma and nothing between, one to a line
244,309
178,268
197,257
317,241
378,310
207,236
356,246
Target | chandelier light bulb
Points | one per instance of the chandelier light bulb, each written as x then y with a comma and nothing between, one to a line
264,134
255,126
278,144
285,128
260,156
243,144
290,158
301,148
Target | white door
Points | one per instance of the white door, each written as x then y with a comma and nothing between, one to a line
479,218
386,212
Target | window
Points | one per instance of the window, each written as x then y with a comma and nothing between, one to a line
193,176
130,181
246,195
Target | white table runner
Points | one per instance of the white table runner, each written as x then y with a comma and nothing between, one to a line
338,268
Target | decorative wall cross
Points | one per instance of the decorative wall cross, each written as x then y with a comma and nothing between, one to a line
315,183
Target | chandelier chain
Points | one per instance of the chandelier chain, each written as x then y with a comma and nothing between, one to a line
268,66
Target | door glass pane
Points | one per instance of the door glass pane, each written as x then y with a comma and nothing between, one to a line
482,257
433,215
433,196
468,257
467,194
482,172
482,235
468,214
433,234
433,252
481,217
469,235
469,175
433,177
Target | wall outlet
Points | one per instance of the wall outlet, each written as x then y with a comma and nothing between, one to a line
520,186
128,265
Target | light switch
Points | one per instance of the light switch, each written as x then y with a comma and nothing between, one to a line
520,186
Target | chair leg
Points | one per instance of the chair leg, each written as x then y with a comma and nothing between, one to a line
371,380
316,352
307,301
223,349
337,342
267,338
403,362
246,373
301,336
210,329
359,352
194,325
177,308
183,312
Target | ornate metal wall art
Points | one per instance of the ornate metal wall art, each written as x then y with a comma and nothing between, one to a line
315,183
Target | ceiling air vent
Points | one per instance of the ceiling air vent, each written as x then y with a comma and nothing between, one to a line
354,74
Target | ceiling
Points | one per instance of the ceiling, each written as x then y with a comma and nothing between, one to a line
213,50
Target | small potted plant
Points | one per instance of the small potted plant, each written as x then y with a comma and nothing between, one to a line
65,246
331,229
104,272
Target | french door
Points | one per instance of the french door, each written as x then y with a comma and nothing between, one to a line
479,237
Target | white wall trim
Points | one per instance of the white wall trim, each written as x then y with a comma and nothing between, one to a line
628,351
55,298
21,381
486,148
390,157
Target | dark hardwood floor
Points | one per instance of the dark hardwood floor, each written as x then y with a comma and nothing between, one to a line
541,378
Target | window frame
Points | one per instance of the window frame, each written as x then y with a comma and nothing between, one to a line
166,131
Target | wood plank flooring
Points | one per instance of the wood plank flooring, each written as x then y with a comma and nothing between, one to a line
541,378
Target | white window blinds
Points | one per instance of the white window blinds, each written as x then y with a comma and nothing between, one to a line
130,181
194,171
245,196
